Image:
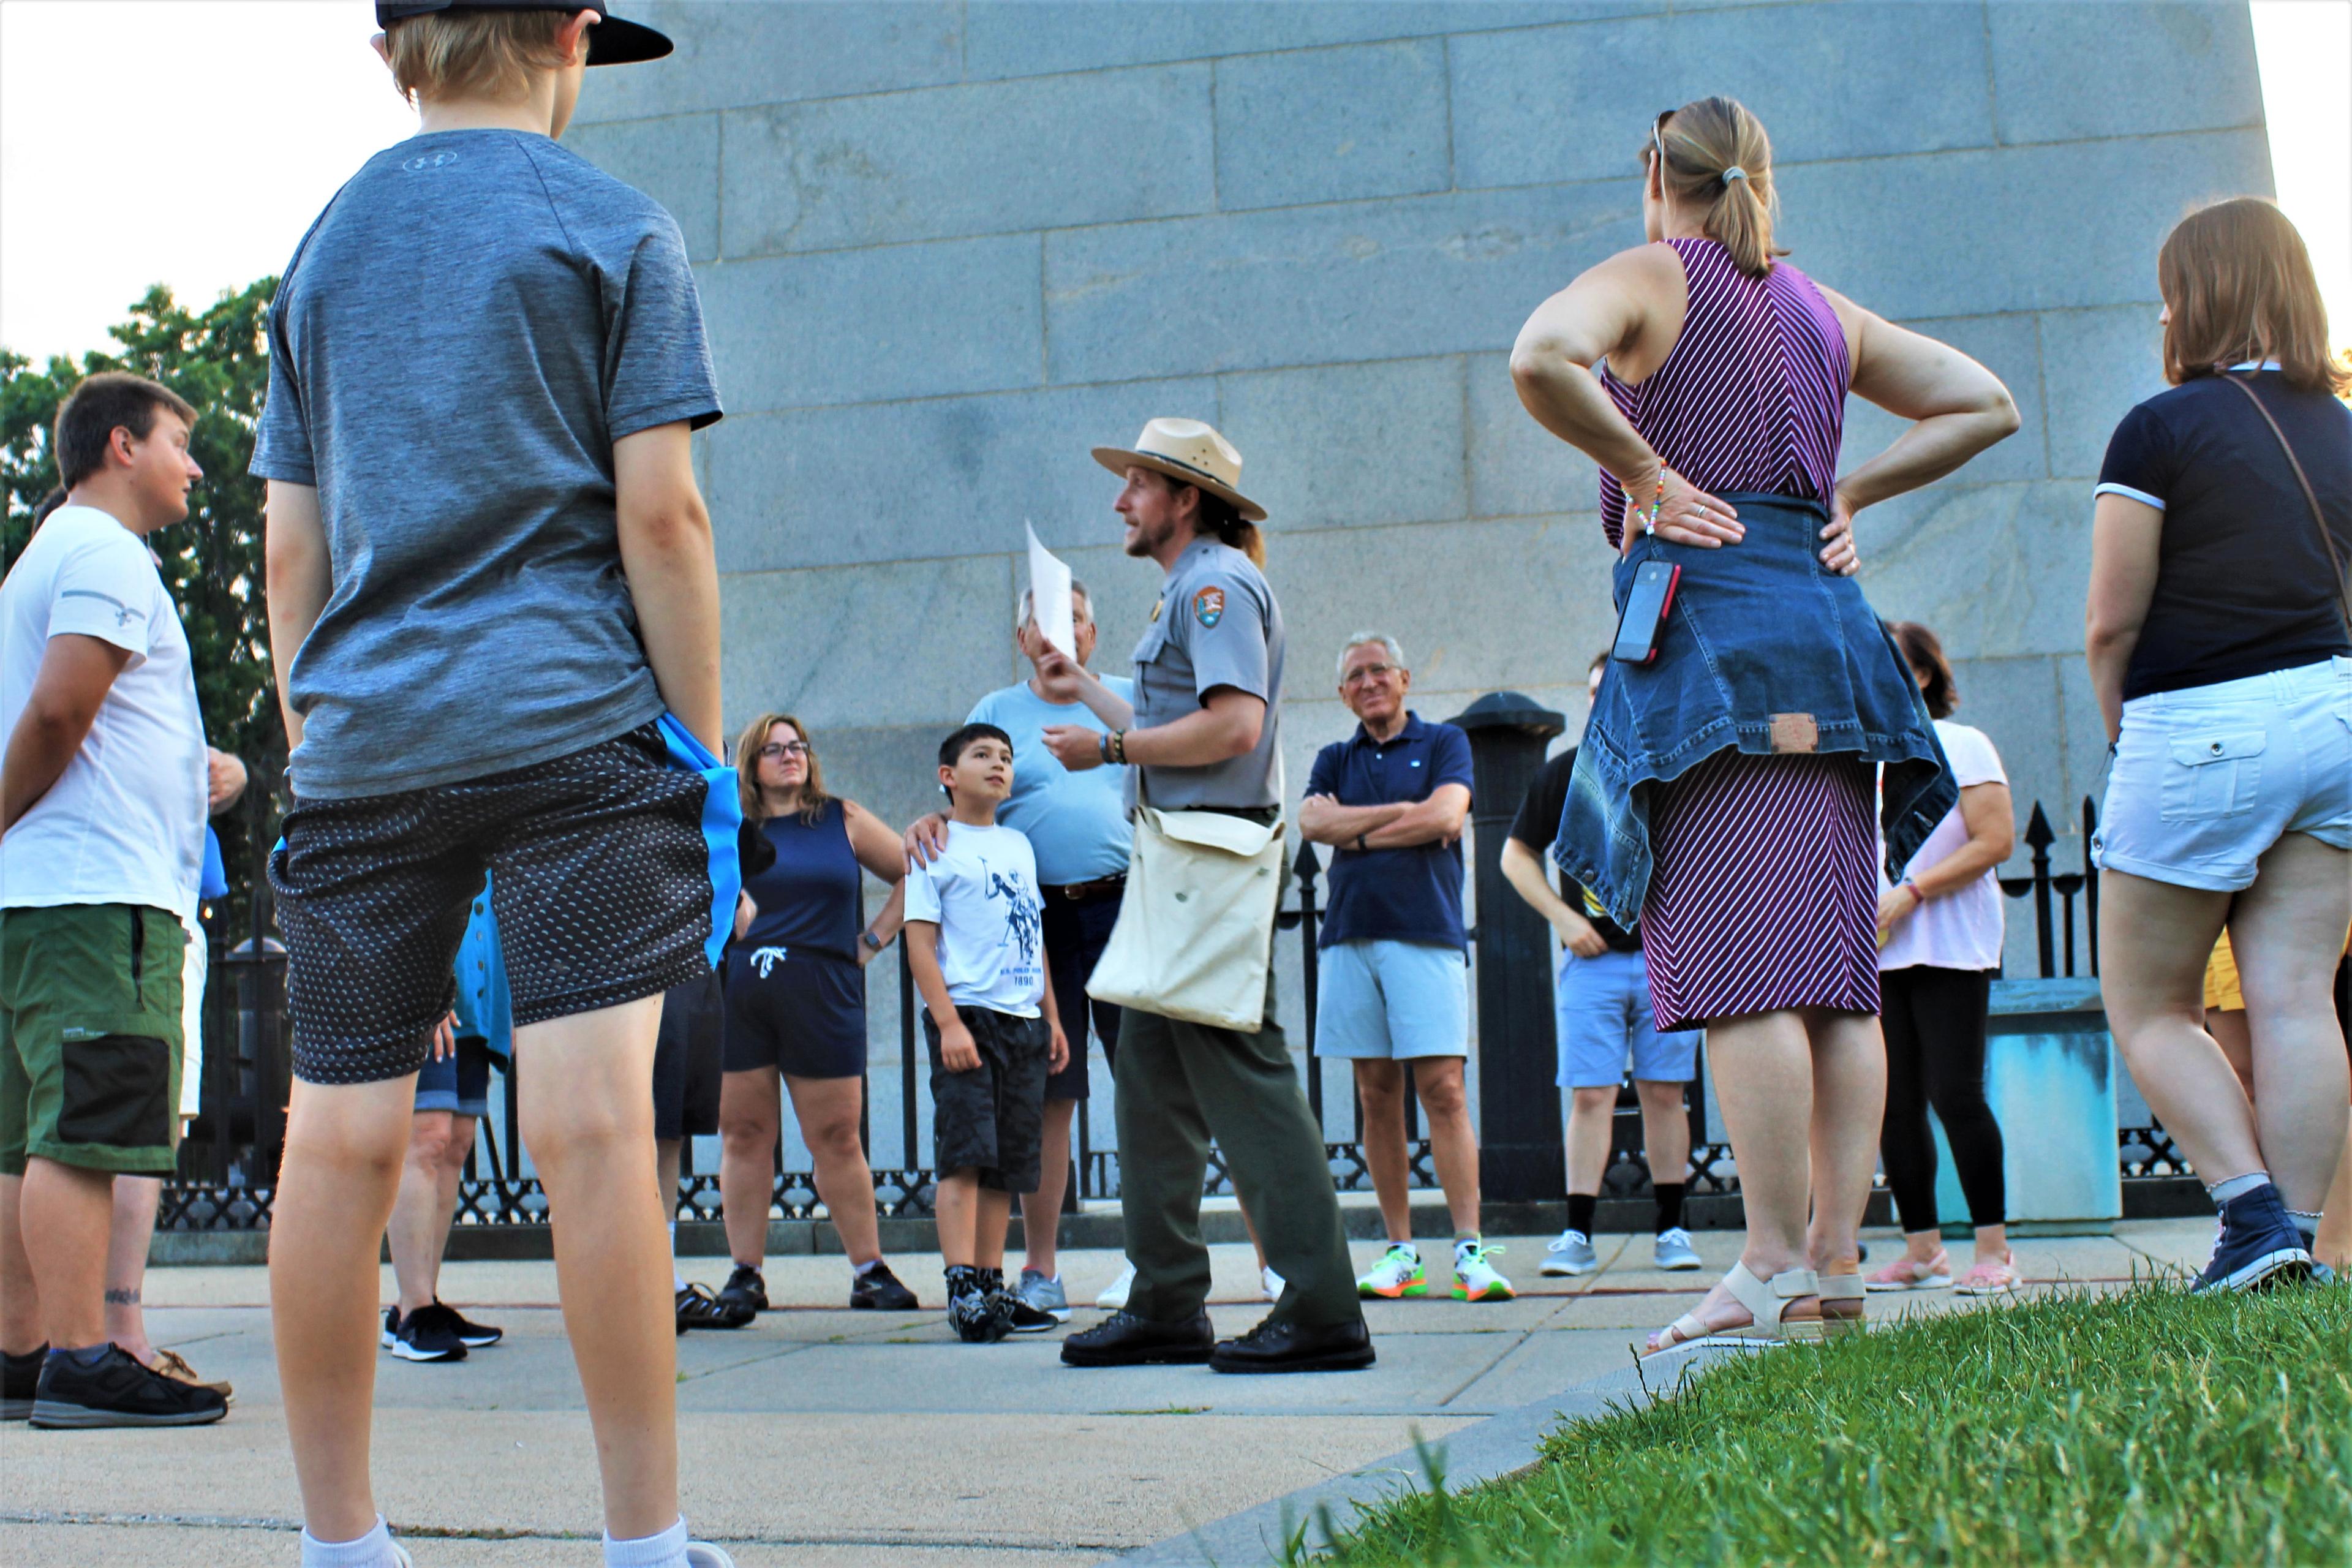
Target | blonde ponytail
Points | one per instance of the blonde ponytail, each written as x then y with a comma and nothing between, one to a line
1718,159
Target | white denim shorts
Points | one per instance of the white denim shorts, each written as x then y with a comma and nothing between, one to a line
2208,778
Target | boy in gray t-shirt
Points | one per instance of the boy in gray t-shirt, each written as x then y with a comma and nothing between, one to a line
495,612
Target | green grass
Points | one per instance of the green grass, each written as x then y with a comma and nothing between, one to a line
2147,1427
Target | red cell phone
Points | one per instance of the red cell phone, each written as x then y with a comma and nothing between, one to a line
1645,620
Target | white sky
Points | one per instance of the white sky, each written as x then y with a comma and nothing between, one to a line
191,141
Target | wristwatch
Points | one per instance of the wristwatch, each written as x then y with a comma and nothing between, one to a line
873,943
1362,844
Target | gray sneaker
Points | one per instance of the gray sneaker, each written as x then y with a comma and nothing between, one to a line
1571,1253
1045,1295
1673,1249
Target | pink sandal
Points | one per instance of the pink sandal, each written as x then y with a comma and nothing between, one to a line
1909,1274
1989,1278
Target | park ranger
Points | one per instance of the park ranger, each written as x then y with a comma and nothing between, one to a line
1204,735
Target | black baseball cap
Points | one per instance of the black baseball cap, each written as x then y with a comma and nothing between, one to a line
610,42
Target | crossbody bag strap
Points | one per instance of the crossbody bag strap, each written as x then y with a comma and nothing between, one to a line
2311,497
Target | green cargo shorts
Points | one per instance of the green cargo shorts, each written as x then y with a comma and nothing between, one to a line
89,1037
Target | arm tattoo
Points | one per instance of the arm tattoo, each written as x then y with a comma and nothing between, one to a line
121,1298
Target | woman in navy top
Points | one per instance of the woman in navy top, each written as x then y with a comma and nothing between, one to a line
2220,649
796,1009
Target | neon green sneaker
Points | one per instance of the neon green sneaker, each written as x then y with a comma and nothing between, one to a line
1475,1279
1398,1273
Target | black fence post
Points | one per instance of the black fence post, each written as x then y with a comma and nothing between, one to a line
1519,1156
2091,883
1306,866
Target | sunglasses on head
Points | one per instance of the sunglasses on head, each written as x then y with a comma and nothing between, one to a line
1658,137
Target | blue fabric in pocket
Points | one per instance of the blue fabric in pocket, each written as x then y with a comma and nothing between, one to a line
722,818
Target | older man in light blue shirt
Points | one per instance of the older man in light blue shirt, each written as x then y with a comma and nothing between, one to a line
1076,823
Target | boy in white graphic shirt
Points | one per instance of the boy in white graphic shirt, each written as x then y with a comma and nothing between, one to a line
975,941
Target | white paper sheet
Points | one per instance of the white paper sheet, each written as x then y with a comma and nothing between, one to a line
1049,596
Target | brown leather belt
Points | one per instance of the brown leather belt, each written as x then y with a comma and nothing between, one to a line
1079,892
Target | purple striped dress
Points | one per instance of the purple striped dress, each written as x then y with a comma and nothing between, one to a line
1764,889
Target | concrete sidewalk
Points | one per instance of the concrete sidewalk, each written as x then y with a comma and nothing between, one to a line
821,1436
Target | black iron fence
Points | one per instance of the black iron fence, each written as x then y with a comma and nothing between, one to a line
228,1161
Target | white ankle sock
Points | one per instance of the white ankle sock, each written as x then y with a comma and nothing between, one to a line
2237,1186
863,1269
372,1549
677,1280
666,1550
2305,1221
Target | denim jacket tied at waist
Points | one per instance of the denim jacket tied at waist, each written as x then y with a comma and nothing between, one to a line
1765,649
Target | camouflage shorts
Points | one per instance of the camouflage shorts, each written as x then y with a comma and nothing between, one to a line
992,1118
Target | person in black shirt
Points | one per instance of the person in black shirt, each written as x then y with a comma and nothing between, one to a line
2219,640
1602,1001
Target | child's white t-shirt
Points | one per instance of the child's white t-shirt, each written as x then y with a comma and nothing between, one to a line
1961,929
981,892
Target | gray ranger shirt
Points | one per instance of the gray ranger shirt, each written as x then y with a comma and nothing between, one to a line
1216,624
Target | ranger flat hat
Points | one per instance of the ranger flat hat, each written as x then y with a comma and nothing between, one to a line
1188,451
610,42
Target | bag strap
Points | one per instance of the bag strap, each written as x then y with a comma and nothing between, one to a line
2310,496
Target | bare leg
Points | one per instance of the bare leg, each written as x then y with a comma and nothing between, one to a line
1453,1144
1592,1128
344,1144
135,1202
418,1229
2231,1031
1379,1088
588,1120
827,1108
2334,1246
66,1213
2154,940
749,1116
995,1214
2288,929
957,1201
668,1154
1849,1103
1666,1129
444,1200
1040,1211
20,1304
1764,1080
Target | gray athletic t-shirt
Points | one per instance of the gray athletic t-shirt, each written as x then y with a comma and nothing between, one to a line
1216,624
466,331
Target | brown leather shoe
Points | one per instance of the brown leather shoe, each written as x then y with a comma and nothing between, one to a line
174,1365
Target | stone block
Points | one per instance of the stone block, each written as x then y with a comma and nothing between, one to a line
908,320
1518,468
2084,730
893,772
1330,125
1390,279
2171,68
2000,571
2040,227
1540,106
775,51
2095,365
2009,347
1105,147
1010,40
902,643
2015,702
1350,445
934,477
674,161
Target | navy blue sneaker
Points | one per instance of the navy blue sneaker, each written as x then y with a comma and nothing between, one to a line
2258,1244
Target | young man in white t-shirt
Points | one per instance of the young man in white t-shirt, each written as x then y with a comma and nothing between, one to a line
975,940
102,798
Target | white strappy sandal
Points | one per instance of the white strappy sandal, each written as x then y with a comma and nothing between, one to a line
1835,1289
1768,1303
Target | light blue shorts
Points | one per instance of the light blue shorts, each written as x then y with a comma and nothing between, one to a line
2208,778
1602,1008
1378,1000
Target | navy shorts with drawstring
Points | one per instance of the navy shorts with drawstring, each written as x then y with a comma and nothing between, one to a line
601,879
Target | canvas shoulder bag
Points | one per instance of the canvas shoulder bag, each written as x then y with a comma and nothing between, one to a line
1194,937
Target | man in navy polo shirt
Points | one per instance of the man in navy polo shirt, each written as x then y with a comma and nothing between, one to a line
1391,800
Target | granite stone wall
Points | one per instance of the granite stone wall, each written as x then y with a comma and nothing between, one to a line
944,247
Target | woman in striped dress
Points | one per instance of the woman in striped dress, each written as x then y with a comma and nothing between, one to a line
1717,423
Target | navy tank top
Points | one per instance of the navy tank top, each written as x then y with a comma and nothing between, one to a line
811,897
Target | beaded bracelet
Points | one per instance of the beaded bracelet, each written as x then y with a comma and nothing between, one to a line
1650,518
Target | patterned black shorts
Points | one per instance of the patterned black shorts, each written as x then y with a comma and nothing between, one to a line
599,878
992,1118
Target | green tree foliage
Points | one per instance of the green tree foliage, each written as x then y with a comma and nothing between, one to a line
215,358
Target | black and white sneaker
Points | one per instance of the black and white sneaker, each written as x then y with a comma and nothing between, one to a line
879,1290
20,1378
427,1335
698,1307
1020,1317
470,1334
976,1320
391,1326
118,1392
745,1294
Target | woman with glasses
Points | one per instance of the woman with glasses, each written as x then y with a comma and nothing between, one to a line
2219,633
1723,795
796,1009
